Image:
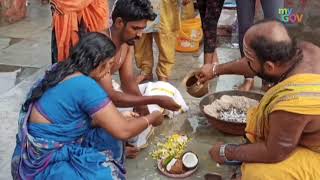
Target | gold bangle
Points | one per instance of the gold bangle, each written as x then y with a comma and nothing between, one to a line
147,120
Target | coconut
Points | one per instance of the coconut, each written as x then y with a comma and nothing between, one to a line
190,160
175,166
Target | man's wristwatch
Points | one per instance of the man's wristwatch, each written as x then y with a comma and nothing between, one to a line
222,153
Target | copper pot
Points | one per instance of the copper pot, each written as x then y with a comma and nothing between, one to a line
196,89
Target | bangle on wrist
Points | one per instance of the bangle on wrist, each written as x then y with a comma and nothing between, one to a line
222,153
147,120
214,69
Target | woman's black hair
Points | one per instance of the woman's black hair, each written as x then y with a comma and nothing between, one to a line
92,50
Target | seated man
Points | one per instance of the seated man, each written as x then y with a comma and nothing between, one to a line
129,20
284,130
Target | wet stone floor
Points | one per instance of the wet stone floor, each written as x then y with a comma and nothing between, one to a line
26,46
193,124
203,136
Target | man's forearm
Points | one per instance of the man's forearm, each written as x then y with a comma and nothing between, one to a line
131,88
251,153
121,99
140,101
238,67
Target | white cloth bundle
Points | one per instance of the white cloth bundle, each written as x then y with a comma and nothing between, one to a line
159,88
153,89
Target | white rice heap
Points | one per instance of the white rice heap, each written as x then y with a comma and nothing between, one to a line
230,108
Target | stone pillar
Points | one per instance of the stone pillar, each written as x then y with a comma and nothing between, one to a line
12,10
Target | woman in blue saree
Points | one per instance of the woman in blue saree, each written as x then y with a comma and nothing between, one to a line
68,127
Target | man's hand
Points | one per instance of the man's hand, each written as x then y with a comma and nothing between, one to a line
156,118
207,72
185,2
105,81
214,153
168,103
141,110
130,115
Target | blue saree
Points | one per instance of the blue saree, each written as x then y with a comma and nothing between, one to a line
69,147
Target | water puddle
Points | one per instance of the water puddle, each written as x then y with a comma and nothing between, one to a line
197,120
6,42
13,75
14,41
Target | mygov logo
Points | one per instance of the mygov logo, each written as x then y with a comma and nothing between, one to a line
288,16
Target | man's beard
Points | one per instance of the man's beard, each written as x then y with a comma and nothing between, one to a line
262,75
267,78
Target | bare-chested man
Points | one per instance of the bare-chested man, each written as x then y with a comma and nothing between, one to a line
129,20
284,130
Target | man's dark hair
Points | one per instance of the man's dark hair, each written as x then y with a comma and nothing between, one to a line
133,10
267,49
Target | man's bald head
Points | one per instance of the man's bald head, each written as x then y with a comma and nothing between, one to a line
270,41
270,29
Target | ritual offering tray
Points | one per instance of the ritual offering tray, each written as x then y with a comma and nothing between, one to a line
172,158
227,110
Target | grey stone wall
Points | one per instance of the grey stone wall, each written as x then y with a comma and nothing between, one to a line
309,29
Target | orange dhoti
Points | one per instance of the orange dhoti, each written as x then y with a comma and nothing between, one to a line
68,15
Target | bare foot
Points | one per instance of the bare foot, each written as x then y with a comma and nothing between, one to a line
143,78
247,85
210,58
131,152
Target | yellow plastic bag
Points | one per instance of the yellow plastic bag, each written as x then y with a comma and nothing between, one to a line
189,36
